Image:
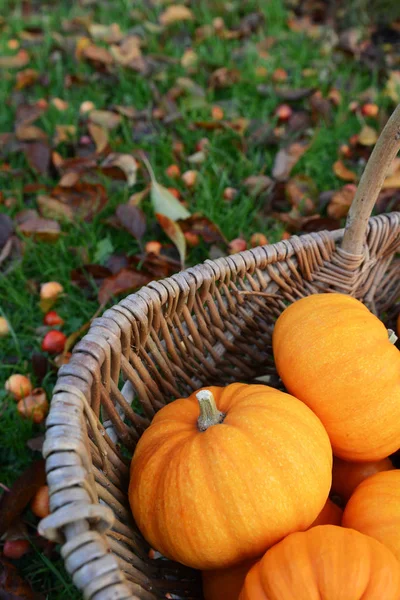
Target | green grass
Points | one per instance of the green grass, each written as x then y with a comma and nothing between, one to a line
226,165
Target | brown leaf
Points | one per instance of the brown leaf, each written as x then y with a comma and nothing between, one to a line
28,113
137,197
26,78
99,135
84,276
256,184
293,94
204,227
176,13
19,60
132,219
121,162
44,230
286,159
393,181
38,156
321,106
69,179
84,199
6,229
14,502
64,133
51,208
173,230
40,366
12,586
105,118
111,34
128,52
36,444
302,193
30,133
125,281
98,54
341,200
224,77
157,266
343,172
393,86
367,136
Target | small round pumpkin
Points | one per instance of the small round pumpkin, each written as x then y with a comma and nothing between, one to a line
222,475
225,583
346,476
374,509
335,355
331,514
325,563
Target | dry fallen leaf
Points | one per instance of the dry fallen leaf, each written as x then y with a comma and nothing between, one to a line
367,136
202,226
99,135
64,133
175,234
393,86
38,156
343,172
84,199
26,78
176,13
125,163
105,118
341,200
128,51
286,159
132,219
125,281
17,61
111,34
12,586
52,208
45,230
29,133
98,54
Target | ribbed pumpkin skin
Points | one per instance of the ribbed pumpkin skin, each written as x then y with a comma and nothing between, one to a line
374,509
215,498
334,355
225,584
331,514
346,476
325,563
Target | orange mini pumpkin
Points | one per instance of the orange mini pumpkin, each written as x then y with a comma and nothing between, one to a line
325,563
335,355
217,489
331,514
346,476
374,509
225,584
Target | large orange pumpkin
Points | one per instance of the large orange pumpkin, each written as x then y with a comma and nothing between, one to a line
335,355
325,563
213,490
346,476
374,509
331,514
225,584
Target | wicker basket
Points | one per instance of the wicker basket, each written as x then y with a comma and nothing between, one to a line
199,327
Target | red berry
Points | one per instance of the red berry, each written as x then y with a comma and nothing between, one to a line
53,318
15,548
284,112
173,171
54,341
370,110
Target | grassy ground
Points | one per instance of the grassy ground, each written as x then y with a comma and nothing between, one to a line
307,63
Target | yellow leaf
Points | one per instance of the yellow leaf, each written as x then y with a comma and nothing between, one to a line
99,135
176,13
175,234
105,118
343,172
367,136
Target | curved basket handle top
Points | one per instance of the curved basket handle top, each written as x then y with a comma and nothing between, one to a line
370,185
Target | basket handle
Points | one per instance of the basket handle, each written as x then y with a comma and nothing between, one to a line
370,185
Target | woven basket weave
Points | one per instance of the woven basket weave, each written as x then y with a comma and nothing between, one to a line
199,327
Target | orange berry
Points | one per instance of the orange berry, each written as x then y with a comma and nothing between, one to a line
4,327
370,110
40,503
279,75
52,318
153,247
285,235
34,406
237,245
13,44
50,290
230,194
15,549
42,103
217,113
173,171
189,178
258,239
86,107
18,385
192,239
284,112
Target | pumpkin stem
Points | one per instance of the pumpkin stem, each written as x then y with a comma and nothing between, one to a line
209,413
392,336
